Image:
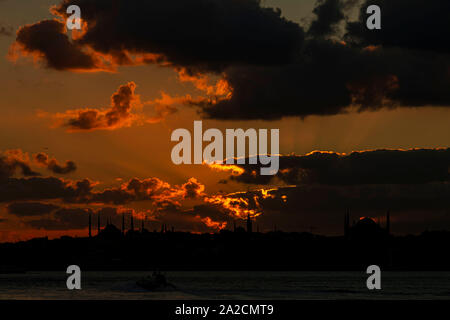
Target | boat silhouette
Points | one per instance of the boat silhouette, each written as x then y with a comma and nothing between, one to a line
157,281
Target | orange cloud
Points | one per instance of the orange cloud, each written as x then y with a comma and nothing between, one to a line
216,92
125,110
202,82
118,115
236,206
193,189
213,224
163,107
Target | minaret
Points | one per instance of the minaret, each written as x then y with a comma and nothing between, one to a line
249,224
347,223
142,225
388,223
90,225
98,223
131,223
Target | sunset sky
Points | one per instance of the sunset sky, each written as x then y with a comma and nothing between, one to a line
86,117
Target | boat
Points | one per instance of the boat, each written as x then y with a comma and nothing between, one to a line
155,282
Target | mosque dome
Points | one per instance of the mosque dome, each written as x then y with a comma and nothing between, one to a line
366,228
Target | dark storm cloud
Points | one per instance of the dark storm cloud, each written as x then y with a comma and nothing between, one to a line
48,38
63,219
43,188
197,34
275,67
328,14
113,196
357,168
329,77
28,209
409,24
53,165
326,76
408,197
152,190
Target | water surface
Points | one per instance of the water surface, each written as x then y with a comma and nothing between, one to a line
229,285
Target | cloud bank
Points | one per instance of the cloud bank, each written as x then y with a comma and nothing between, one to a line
274,67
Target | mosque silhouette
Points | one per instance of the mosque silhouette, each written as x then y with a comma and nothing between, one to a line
364,242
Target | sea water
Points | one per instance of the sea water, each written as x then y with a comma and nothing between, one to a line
228,285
